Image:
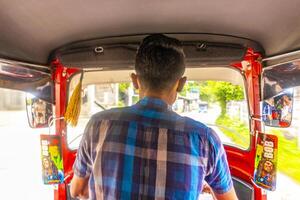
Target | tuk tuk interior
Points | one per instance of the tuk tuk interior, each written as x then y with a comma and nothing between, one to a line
44,46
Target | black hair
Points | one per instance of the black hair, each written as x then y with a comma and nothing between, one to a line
159,62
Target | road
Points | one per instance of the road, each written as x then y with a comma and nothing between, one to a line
20,166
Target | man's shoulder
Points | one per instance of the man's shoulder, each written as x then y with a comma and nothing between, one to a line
174,120
110,114
192,125
202,129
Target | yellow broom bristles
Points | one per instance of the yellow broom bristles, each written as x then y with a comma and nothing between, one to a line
74,106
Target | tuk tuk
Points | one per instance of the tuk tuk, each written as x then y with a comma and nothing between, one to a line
48,48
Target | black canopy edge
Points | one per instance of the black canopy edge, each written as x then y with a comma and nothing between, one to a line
256,46
119,51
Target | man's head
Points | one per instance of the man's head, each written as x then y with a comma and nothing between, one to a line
270,101
268,166
160,65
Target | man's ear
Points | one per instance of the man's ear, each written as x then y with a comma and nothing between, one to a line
134,79
181,83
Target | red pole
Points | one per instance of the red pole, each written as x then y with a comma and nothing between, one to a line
60,75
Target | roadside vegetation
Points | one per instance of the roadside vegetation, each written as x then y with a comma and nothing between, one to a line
288,155
238,131
123,94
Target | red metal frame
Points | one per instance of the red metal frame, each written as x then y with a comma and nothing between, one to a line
241,162
60,76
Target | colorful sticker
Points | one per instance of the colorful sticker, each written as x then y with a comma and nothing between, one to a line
52,163
266,161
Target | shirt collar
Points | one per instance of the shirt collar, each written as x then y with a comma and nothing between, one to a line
154,103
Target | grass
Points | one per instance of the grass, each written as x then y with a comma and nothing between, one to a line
288,156
288,152
235,130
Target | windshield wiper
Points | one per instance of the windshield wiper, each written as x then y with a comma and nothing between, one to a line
99,104
74,139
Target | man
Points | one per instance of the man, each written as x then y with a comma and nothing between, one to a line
268,109
147,151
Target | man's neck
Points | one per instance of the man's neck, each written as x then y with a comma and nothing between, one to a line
166,97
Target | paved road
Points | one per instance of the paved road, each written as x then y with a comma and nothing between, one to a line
20,166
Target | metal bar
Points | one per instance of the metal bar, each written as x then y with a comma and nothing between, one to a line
281,56
93,69
17,63
281,63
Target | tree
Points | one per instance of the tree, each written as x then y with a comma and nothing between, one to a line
215,91
123,94
188,87
222,92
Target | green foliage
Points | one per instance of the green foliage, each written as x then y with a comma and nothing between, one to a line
123,87
135,99
189,86
207,92
221,92
225,91
236,130
121,103
216,91
288,155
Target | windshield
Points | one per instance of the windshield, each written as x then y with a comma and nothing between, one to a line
220,105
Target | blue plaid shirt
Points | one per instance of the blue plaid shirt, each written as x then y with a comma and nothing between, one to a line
147,151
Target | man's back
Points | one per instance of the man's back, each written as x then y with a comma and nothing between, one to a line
147,151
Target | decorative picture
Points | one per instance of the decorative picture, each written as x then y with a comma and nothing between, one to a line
266,161
52,163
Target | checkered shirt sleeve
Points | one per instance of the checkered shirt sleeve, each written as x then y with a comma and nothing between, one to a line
218,174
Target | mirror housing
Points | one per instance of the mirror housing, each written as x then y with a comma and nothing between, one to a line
38,112
276,79
277,110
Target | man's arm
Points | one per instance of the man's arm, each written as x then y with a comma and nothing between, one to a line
230,195
82,166
79,187
218,177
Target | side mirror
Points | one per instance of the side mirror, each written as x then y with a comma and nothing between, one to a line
38,112
277,111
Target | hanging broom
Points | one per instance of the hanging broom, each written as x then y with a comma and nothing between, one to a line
74,106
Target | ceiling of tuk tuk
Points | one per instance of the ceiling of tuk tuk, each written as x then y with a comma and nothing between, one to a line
33,29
